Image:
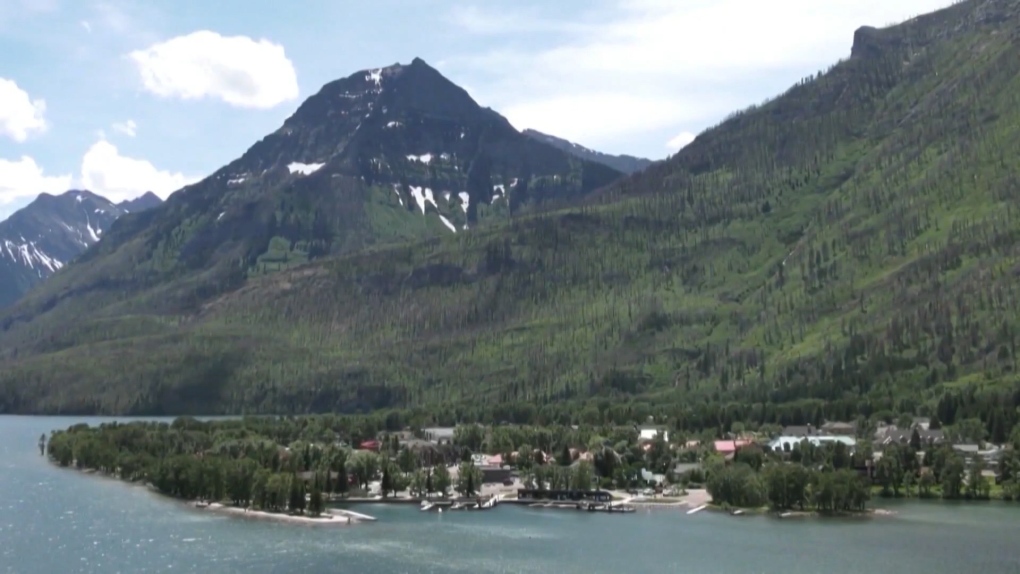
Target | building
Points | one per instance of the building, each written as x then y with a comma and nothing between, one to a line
439,435
839,428
652,477
989,455
495,474
800,431
729,447
891,434
649,432
786,443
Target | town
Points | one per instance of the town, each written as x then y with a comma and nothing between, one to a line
302,465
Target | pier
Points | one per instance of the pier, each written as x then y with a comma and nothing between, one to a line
351,514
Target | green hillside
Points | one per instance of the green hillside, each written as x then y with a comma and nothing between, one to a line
852,242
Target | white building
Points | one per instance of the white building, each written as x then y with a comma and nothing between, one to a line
786,443
649,432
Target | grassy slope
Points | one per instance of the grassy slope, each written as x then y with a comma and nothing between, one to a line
855,237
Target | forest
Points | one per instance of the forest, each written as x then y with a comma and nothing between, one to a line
847,250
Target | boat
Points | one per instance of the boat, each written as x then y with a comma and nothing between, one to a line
426,505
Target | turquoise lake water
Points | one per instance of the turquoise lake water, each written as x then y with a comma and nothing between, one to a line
60,521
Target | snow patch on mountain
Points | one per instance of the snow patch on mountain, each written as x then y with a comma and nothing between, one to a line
375,76
447,223
304,168
28,254
423,196
424,158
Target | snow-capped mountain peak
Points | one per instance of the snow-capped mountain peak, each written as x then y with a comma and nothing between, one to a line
41,238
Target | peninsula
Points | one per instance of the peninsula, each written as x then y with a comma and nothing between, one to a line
295,468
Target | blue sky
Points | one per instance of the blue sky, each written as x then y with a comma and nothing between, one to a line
125,96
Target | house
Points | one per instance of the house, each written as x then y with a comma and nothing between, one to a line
800,431
989,455
652,478
649,432
786,443
439,435
839,428
372,445
495,474
729,447
890,434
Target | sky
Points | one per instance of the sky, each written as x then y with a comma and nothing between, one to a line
126,96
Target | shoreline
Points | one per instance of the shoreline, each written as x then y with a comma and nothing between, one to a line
333,516
329,517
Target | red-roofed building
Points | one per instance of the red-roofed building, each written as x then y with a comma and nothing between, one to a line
729,447
372,445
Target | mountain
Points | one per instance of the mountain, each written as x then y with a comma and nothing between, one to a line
622,163
382,156
148,200
48,233
849,248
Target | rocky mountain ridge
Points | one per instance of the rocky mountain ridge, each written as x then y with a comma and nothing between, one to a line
44,236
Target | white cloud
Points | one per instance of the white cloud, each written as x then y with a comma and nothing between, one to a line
128,128
680,141
20,115
23,179
116,177
236,69
634,66
85,24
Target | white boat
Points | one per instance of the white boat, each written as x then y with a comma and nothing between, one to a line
426,505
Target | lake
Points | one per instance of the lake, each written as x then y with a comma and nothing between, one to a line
61,521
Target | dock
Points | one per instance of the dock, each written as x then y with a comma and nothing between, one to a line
351,514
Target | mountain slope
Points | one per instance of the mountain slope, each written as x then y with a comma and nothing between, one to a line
845,249
44,236
622,163
381,156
